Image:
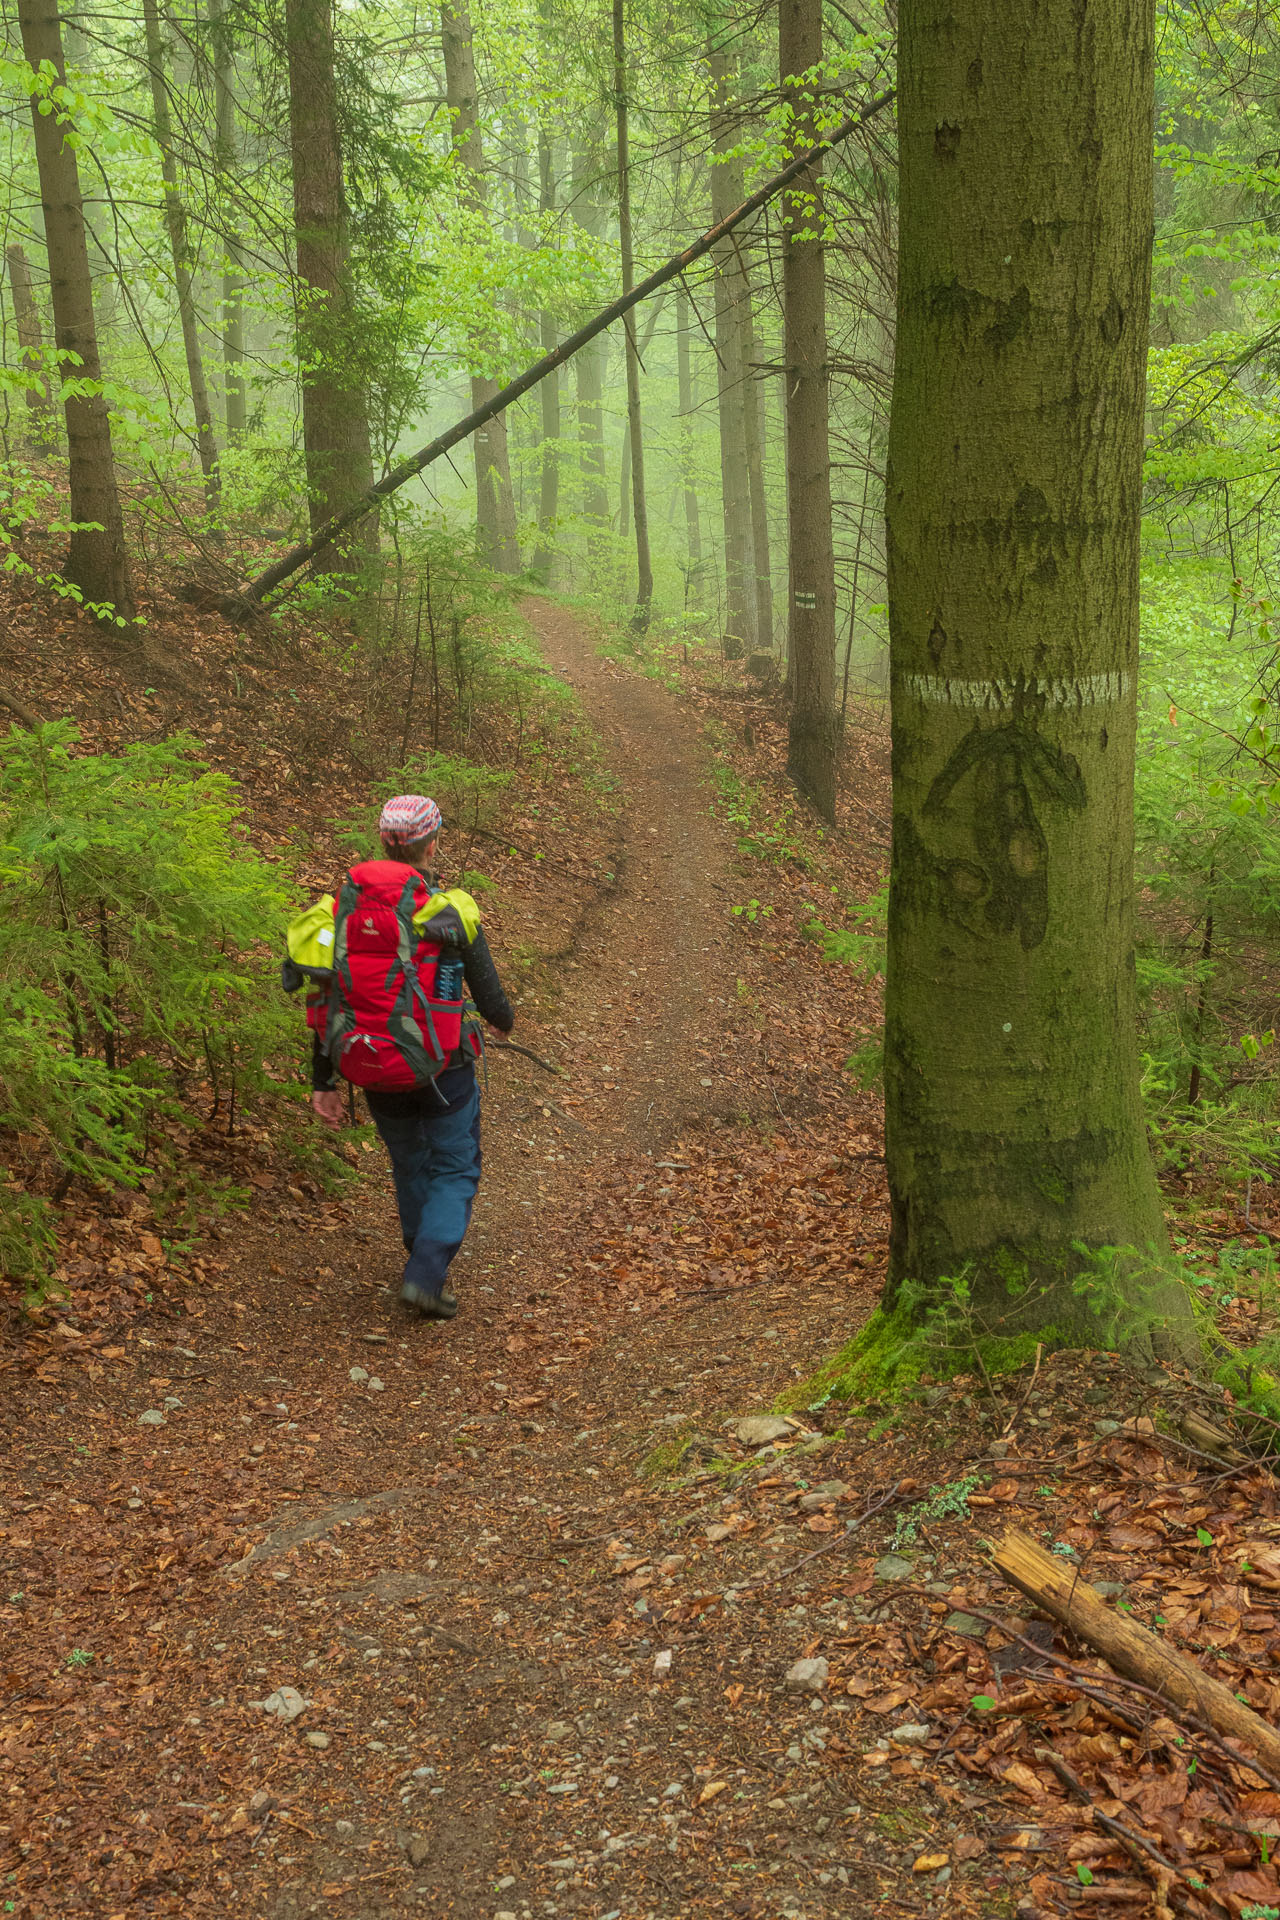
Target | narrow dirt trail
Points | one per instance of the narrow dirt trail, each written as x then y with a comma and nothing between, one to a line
421,1512
656,963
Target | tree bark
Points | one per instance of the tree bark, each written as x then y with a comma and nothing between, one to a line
549,391
1014,1125
684,382
753,435
175,220
635,424
811,621
335,417
495,502
42,416
589,365
96,562
726,192
234,391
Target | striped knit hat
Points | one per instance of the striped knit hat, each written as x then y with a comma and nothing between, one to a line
408,818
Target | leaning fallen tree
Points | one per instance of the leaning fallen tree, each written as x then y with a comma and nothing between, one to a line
274,576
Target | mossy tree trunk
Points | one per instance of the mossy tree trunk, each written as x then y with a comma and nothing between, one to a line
635,421
335,414
96,561
813,733
1014,1121
727,193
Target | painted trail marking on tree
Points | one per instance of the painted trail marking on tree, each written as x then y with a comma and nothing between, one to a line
1092,690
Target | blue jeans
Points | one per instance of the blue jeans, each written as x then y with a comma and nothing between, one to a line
435,1163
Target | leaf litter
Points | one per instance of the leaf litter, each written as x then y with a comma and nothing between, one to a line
554,1663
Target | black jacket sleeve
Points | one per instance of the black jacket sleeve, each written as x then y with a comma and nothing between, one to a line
486,989
323,1077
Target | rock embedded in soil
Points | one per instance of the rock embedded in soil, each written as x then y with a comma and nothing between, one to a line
761,1429
911,1733
822,1496
893,1567
152,1418
807,1676
285,1704
317,1740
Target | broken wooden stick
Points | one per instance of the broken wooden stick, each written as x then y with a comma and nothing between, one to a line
1056,1586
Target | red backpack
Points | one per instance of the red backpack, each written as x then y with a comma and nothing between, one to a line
383,1023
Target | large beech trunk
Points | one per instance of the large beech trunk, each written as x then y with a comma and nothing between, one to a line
1014,1121
96,562
811,629
335,416
495,502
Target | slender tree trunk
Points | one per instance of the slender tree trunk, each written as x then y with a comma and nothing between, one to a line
753,434
635,425
495,502
1014,1121
811,628
625,488
549,391
175,219
97,562
589,365
726,193
684,380
235,396
335,416
42,416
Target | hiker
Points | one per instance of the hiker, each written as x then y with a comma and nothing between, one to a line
385,966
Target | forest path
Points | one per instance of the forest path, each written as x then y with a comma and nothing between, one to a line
440,1537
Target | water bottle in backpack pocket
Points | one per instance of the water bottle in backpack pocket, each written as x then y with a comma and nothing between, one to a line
449,978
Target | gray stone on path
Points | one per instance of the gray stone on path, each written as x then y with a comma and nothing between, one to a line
416,1846
807,1676
285,1704
558,1730
761,1429
893,1567
357,1375
1106,1427
822,1496
317,1740
911,1733
152,1418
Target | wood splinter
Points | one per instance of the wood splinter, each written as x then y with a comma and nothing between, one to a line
1056,1586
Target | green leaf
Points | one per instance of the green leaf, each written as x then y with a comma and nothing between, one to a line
983,1702
1204,1536
1083,1875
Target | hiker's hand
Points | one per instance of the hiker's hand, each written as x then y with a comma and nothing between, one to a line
328,1108
499,1033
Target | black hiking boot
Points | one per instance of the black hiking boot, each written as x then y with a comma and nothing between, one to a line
432,1306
